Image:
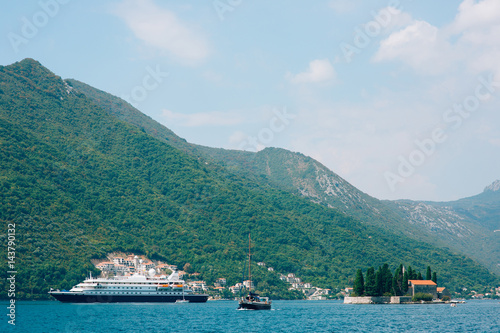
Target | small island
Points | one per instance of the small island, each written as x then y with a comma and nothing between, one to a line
405,286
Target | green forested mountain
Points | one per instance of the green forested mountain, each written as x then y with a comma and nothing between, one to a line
78,182
465,225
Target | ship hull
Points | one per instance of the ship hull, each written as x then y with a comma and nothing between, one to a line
70,297
255,306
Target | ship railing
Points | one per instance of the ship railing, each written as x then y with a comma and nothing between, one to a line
265,299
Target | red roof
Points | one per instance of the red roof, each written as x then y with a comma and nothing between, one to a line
422,282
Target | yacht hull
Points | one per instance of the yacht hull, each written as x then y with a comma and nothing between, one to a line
255,306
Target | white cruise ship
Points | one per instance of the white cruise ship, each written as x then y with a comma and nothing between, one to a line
135,288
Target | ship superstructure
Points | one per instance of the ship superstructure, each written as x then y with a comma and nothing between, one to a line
134,288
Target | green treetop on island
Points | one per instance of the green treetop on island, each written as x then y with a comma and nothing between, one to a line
359,285
384,283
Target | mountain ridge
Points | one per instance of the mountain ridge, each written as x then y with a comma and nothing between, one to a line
445,224
493,187
80,183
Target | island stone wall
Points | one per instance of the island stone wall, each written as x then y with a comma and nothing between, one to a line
377,300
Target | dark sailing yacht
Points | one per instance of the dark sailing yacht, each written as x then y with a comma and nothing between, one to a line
253,301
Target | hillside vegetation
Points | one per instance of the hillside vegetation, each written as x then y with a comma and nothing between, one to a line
466,225
79,183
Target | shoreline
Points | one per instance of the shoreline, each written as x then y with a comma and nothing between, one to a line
392,300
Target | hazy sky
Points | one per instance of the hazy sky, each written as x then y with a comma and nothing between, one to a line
400,98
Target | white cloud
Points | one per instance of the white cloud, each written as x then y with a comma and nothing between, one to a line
419,45
478,26
392,18
470,42
362,143
201,119
473,14
163,30
320,70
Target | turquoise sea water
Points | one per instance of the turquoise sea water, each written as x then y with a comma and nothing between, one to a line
222,316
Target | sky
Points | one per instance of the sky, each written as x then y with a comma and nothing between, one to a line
401,98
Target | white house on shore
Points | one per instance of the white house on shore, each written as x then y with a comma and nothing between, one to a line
236,288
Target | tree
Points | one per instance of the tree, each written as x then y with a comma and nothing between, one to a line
370,285
359,284
397,281
428,274
422,297
412,274
379,283
226,294
419,276
187,268
434,277
405,282
387,279
395,288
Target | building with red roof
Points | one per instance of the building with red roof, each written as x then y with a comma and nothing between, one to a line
422,286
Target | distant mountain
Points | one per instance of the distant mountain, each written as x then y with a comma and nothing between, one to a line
126,112
83,175
494,187
283,169
482,209
462,218
465,225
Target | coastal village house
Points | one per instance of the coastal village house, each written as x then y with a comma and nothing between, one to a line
127,265
162,267
422,286
290,278
198,286
236,288
221,282
442,292
249,284
318,294
106,266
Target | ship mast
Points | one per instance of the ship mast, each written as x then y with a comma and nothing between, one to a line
249,264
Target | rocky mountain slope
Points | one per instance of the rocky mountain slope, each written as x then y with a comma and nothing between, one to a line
78,182
465,225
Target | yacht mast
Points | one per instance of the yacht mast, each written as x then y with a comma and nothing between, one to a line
249,264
